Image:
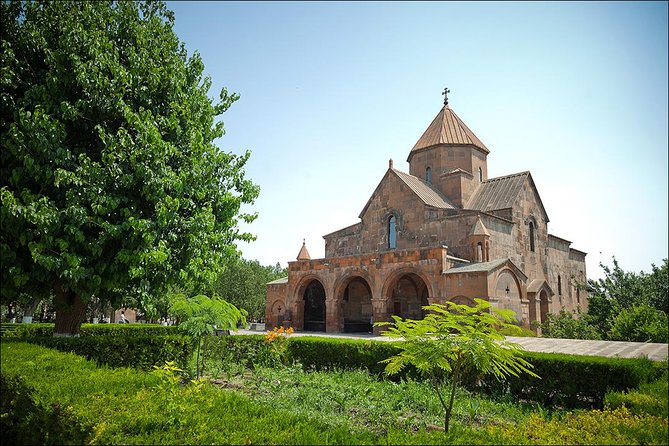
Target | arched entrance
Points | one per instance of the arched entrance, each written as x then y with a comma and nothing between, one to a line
543,305
357,306
314,307
508,293
407,297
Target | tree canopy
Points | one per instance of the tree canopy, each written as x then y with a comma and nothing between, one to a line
111,182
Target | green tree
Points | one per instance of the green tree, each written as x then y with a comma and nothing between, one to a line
453,341
624,290
111,184
200,315
244,282
641,323
564,325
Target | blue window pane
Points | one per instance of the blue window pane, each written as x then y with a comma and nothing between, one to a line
392,233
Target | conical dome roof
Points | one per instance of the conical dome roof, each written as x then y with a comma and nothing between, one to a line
447,128
303,254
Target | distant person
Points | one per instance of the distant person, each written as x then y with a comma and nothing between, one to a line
123,320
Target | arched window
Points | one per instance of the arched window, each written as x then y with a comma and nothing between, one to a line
480,175
428,174
479,252
392,232
532,236
559,285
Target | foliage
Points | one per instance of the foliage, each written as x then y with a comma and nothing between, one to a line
200,315
603,427
456,340
623,290
25,331
111,183
641,323
572,381
564,325
243,284
649,398
277,338
125,406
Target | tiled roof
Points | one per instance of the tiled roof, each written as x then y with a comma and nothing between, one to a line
425,191
481,267
447,128
278,281
497,193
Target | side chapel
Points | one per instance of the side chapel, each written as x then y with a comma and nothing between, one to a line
442,232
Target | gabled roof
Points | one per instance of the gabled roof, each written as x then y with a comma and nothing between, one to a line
447,128
424,190
487,267
502,192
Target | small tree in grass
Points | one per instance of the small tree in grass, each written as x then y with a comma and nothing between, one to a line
452,340
198,316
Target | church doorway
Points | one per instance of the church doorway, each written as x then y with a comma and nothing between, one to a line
408,295
357,306
543,305
314,307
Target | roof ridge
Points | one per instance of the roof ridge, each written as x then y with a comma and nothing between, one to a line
525,172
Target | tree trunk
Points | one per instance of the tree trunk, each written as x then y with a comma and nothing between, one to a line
29,310
70,313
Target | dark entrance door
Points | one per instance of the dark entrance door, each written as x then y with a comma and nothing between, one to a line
314,307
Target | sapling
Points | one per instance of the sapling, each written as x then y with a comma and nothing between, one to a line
452,341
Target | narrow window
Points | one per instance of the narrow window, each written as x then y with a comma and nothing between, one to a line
480,175
479,252
428,174
532,236
578,295
559,285
392,232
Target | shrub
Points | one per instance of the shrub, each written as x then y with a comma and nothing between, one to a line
565,326
574,381
41,330
142,352
126,406
641,323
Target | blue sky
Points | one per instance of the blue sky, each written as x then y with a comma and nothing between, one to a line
576,93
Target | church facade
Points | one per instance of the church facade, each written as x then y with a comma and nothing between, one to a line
442,232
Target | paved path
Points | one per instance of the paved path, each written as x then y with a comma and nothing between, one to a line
610,349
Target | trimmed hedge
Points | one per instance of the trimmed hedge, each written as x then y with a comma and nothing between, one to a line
40,330
570,381
574,381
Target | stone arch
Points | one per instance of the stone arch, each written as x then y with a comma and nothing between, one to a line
543,305
277,312
508,292
405,292
354,293
311,303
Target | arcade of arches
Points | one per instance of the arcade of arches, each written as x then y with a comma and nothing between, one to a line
347,297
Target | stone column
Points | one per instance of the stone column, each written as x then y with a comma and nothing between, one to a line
334,322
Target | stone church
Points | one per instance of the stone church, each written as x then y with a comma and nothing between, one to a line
442,232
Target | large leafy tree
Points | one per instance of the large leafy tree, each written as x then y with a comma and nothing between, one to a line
111,181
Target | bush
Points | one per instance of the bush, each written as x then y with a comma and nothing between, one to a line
573,381
126,406
641,323
41,330
565,326
141,352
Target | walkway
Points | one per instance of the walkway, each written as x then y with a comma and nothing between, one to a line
610,349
